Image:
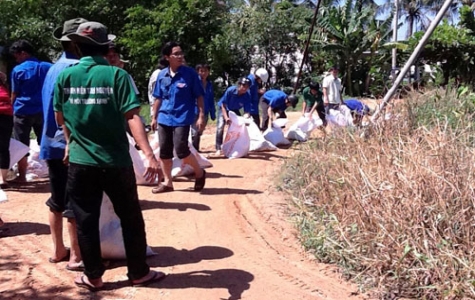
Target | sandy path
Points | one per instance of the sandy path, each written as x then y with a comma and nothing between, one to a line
232,241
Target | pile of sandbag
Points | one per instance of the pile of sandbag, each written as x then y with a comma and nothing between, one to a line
301,129
112,241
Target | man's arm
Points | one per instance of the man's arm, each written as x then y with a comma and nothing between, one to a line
60,121
138,132
200,123
155,109
224,111
270,115
13,97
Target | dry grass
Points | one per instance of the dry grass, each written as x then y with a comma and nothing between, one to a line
394,206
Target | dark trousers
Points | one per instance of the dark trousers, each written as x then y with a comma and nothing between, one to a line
196,134
85,188
6,126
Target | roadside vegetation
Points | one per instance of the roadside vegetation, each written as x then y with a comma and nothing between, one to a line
393,205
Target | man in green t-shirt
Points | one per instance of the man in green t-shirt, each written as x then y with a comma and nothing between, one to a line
313,101
91,101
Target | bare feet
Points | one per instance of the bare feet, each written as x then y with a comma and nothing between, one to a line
59,256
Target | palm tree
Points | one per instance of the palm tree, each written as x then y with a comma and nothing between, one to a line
347,35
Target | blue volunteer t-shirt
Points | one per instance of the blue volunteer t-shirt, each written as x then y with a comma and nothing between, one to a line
275,99
210,106
253,90
178,95
234,101
53,141
357,106
27,83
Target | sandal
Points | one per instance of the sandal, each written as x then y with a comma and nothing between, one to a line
87,285
161,188
157,276
79,267
200,182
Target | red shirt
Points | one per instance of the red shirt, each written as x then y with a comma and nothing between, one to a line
6,107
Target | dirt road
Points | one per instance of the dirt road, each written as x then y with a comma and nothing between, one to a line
232,241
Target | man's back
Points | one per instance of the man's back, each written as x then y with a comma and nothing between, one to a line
94,97
27,83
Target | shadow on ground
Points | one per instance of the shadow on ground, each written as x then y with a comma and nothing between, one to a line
151,204
23,228
234,280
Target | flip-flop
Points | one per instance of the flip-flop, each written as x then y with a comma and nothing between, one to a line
65,258
161,188
157,276
83,284
200,182
77,268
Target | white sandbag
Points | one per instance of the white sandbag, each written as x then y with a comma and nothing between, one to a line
17,151
237,142
301,129
202,161
275,135
179,168
297,134
280,122
112,241
37,168
258,142
341,117
138,163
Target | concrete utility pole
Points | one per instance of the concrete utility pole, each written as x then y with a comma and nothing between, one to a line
411,60
305,52
394,50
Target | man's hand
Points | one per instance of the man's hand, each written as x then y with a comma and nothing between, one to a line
154,124
200,123
153,172
66,155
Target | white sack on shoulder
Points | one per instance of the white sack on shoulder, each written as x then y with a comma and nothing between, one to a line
237,141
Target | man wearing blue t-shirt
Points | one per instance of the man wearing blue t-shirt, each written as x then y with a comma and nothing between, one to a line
26,84
235,98
275,102
178,91
52,149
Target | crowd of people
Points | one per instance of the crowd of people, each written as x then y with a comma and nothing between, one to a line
87,88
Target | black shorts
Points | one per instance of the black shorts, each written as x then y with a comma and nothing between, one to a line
173,137
58,177
22,126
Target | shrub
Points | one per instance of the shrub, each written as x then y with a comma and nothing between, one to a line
394,205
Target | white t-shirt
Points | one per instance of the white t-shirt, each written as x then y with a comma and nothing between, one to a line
333,86
151,85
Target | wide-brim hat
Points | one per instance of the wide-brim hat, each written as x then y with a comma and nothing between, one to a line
69,26
92,33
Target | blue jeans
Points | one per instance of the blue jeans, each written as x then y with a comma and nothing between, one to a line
220,128
85,188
